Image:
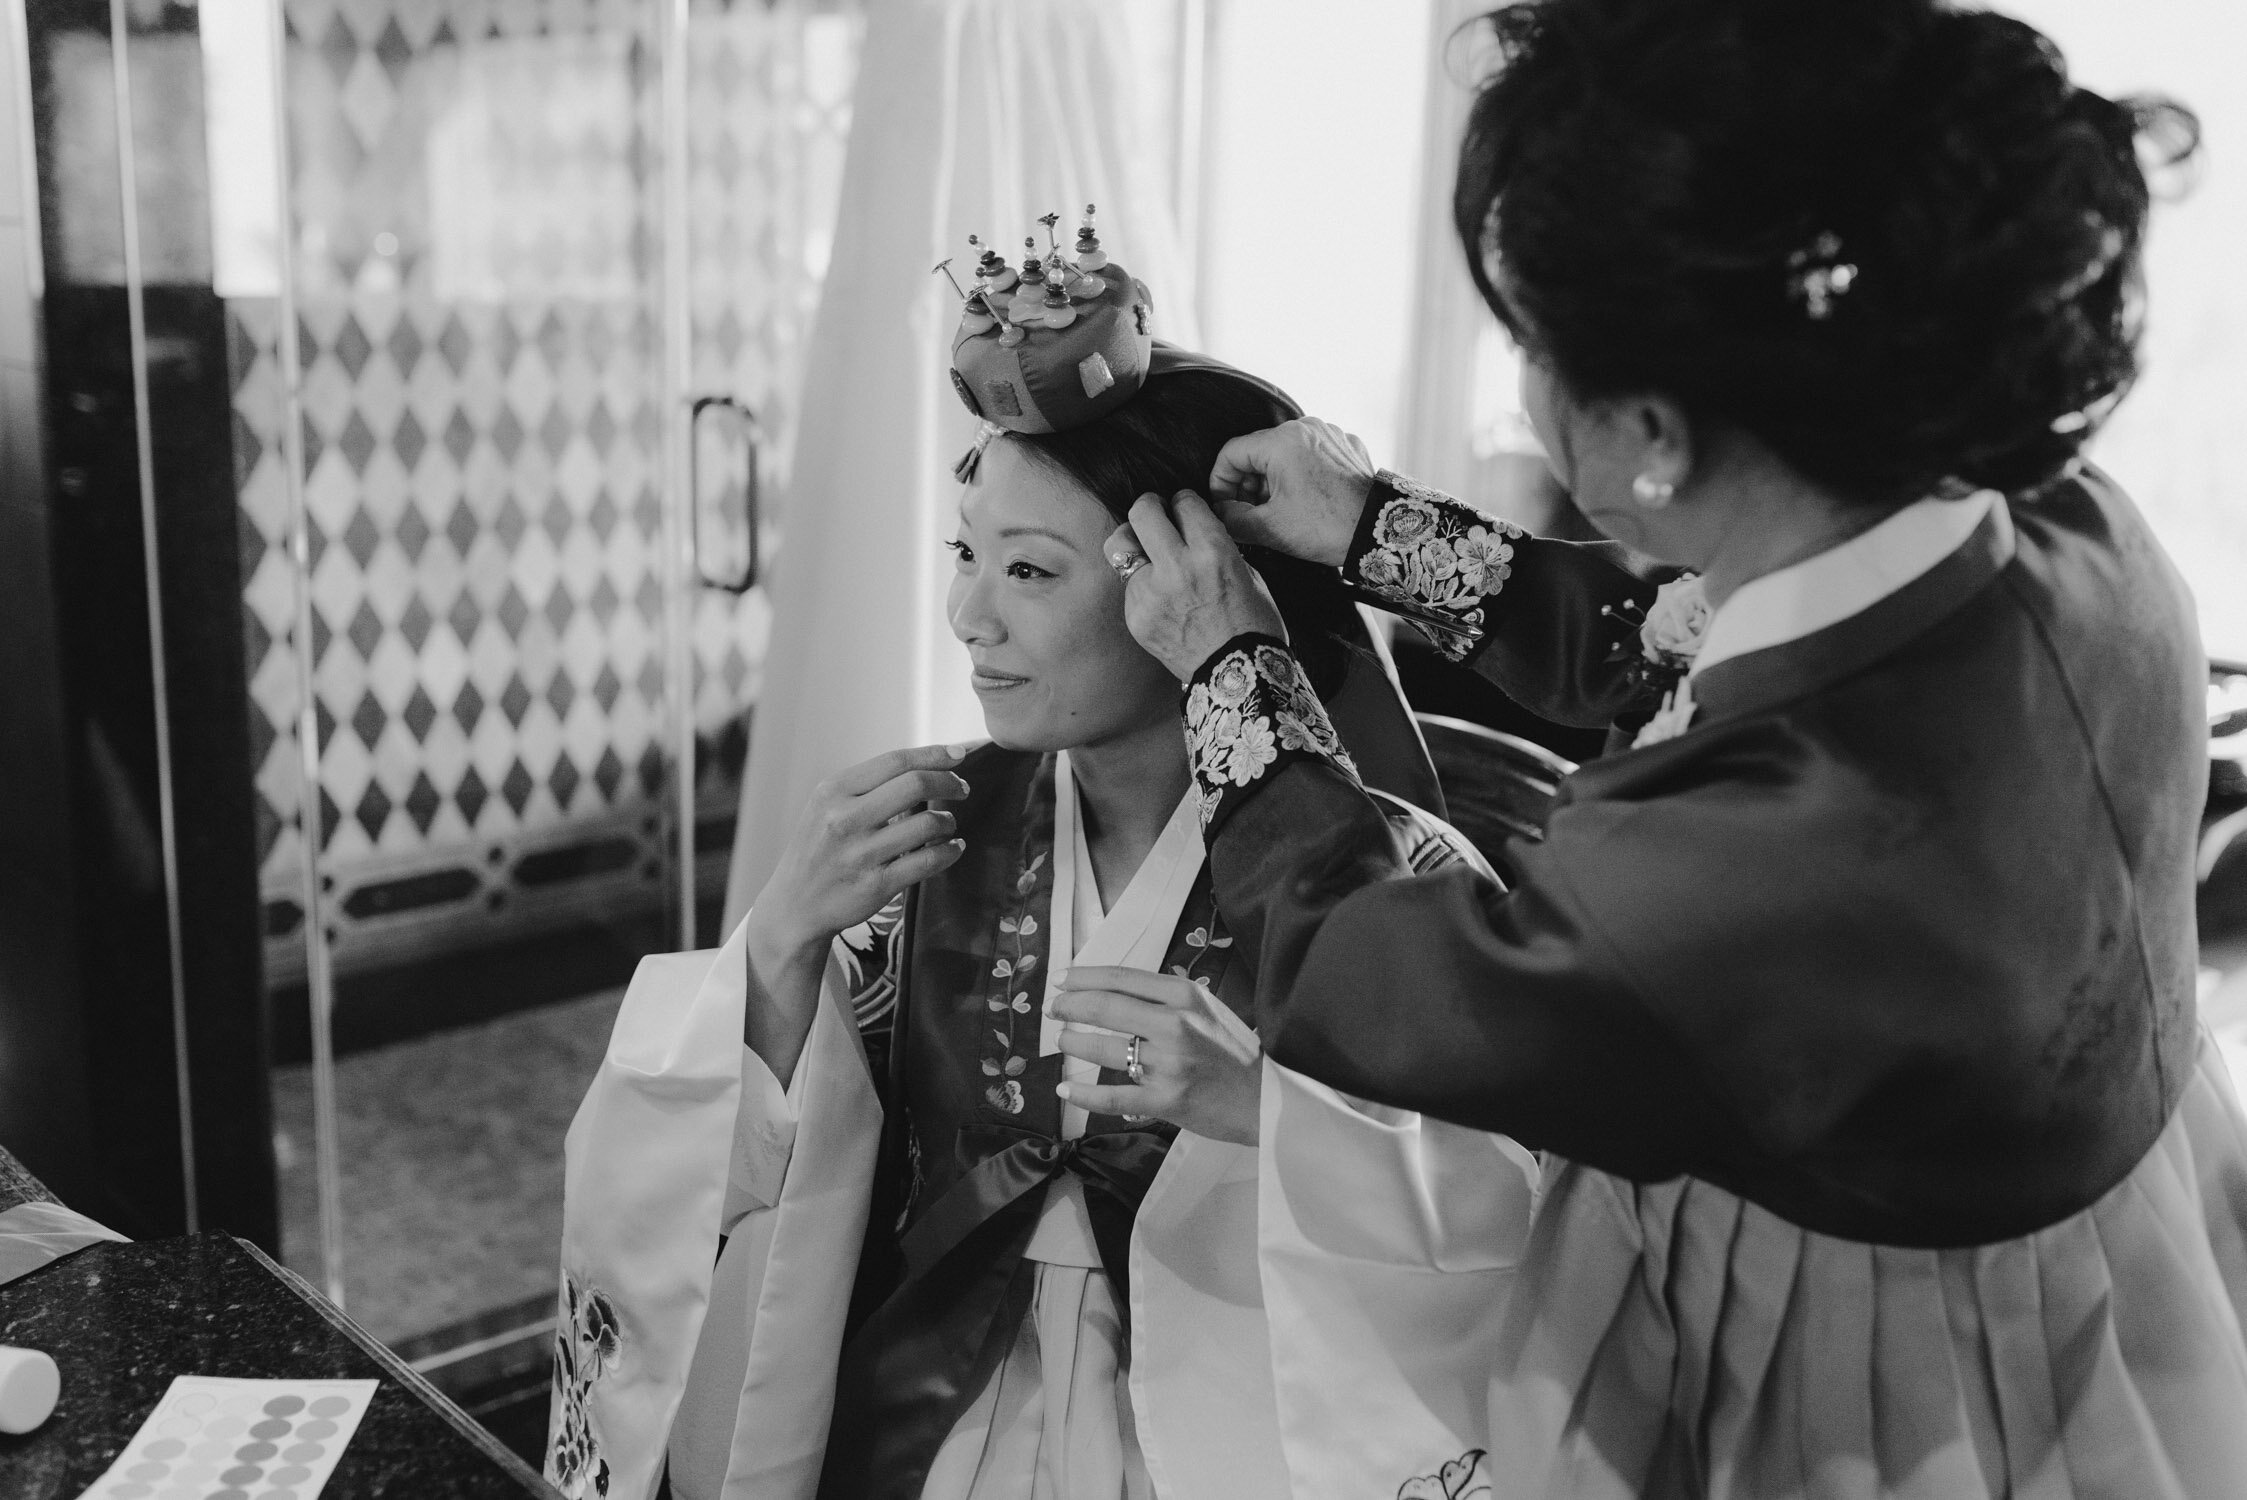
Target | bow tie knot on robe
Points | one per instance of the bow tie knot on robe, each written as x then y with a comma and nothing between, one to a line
1116,1168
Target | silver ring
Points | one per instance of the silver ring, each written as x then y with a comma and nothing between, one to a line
1133,1068
1135,1119
1127,563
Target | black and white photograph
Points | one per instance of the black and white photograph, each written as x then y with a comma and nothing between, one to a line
1123,749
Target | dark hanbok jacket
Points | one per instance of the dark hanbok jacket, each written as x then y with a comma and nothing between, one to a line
1887,1155
1897,941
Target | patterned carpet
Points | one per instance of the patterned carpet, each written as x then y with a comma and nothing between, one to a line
451,1147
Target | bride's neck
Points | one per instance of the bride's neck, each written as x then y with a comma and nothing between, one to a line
1129,786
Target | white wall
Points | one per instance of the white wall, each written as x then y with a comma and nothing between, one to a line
2180,442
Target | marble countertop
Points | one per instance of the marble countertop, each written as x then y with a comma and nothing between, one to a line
122,1319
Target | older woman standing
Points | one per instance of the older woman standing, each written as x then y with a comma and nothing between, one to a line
1857,996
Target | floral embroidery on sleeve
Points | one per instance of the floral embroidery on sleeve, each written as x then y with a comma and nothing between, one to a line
588,1344
1248,710
1423,555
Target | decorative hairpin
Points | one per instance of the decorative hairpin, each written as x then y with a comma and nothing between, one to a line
970,461
1817,276
2096,268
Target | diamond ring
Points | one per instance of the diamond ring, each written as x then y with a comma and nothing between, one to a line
1127,563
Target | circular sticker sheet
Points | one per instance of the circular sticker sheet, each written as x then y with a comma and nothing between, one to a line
214,1439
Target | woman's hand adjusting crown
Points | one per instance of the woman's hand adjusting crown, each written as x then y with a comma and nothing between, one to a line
1297,488
1195,591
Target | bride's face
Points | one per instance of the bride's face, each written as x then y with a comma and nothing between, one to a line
1041,613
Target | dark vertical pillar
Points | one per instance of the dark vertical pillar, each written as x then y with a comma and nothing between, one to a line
134,1158
200,542
43,1115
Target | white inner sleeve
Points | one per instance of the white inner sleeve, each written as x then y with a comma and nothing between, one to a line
764,1130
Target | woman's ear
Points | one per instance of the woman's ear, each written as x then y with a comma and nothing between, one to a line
1662,434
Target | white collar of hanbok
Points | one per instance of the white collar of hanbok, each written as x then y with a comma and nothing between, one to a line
1842,581
1148,908
1136,929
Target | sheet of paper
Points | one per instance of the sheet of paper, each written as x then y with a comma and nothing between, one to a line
214,1439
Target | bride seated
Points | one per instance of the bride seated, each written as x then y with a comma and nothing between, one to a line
987,1169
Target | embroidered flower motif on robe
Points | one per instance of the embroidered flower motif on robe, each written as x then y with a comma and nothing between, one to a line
588,1344
1457,1480
1430,558
1249,710
1010,998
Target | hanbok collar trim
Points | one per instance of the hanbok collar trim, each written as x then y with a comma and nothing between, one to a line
1832,616
1138,923
1842,581
1135,930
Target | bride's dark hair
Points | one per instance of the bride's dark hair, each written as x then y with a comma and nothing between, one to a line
1656,195
1166,439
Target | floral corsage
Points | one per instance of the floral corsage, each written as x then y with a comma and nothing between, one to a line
1659,652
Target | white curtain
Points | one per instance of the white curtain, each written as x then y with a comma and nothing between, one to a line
1461,428
971,116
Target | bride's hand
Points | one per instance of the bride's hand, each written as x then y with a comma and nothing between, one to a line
863,837
1197,1074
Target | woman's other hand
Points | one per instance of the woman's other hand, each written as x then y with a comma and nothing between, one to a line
1297,488
1195,592
865,835
1198,1074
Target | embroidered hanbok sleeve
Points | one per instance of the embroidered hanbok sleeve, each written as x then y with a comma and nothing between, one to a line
1249,712
1542,619
1506,1011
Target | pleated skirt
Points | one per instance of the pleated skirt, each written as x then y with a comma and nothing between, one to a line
1676,1341
1054,1422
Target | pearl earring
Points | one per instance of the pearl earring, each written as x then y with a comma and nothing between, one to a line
1651,492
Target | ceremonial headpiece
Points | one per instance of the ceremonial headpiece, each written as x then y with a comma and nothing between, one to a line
1067,338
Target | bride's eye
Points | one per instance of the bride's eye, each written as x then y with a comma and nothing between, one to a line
962,551
1025,571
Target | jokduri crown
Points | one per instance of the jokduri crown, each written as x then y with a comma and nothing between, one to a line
1052,346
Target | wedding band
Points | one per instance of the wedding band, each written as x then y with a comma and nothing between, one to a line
1127,563
1133,1068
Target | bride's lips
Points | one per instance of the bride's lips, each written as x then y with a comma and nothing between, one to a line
989,681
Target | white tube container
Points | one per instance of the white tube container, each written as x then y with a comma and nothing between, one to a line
29,1384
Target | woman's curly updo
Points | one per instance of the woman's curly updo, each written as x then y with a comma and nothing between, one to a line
1890,239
